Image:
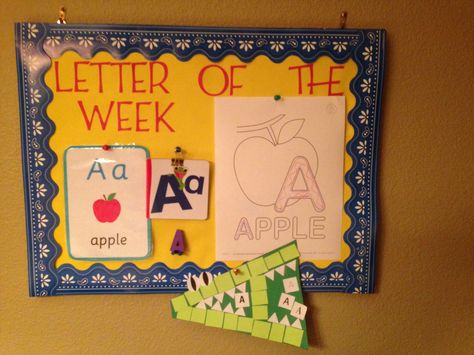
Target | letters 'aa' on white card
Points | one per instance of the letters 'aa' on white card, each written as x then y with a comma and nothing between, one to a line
180,192
279,175
106,199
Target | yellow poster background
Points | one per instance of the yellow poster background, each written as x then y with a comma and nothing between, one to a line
191,116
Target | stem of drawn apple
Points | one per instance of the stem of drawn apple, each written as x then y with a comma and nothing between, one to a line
272,135
267,125
105,198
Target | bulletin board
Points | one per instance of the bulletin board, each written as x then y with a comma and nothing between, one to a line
173,84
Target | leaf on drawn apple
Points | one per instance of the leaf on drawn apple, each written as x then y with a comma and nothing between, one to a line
111,196
289,130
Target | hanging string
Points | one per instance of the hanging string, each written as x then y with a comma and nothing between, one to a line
342,20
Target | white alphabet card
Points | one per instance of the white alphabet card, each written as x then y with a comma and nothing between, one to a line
106,202
279,175
179,192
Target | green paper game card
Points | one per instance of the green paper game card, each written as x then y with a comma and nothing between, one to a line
262,297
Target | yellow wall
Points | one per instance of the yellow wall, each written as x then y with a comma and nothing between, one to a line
424,301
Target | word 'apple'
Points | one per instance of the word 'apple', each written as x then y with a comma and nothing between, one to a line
108,209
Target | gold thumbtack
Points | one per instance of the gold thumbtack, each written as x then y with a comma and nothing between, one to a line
62,16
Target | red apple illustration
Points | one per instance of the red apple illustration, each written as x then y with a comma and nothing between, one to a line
261,161
107,210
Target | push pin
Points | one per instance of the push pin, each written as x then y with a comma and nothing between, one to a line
236,271
177,247
277,97
105,147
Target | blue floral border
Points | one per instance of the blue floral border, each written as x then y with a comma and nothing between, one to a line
37,43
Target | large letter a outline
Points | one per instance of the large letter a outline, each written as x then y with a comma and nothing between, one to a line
312,189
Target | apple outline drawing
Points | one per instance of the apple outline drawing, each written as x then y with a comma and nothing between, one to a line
107,210
285,146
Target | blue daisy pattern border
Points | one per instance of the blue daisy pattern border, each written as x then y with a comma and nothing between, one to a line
37,43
